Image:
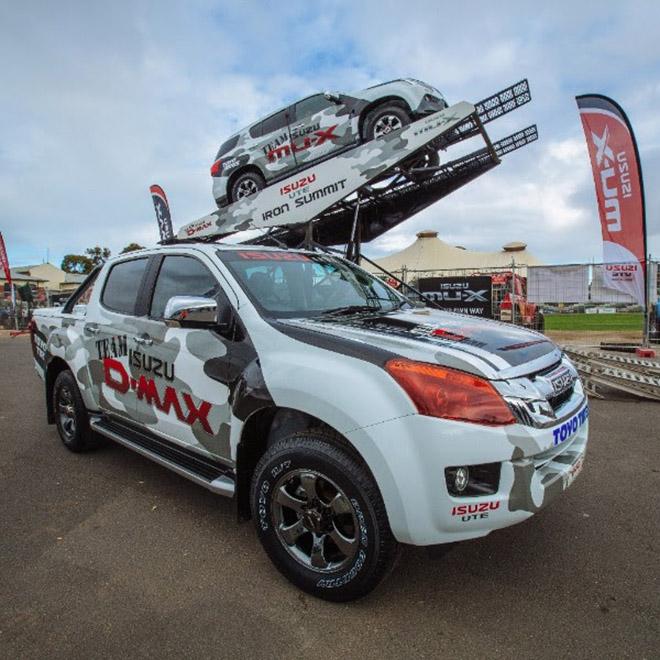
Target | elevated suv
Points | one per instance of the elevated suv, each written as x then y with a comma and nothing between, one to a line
316,128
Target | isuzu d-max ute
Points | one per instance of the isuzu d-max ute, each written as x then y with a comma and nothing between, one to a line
342,417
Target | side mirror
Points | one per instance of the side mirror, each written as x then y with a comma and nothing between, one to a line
198,311
334,97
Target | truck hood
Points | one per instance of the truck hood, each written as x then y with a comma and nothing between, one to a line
487,348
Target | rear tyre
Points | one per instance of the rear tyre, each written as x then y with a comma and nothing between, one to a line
71,416
246,184
384,119
321,519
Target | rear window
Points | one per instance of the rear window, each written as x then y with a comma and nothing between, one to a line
227,146
122,286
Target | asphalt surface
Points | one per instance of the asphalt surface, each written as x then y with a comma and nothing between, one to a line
109,555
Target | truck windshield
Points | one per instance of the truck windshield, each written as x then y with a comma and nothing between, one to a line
294,284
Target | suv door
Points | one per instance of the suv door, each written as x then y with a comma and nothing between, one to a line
176,398
272,147
319,127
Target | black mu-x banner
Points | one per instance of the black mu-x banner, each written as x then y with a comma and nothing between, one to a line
464,295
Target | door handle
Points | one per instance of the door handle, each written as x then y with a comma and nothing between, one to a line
91,329
144,340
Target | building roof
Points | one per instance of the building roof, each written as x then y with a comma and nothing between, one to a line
19,275
428,252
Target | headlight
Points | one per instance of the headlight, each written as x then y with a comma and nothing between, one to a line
440,392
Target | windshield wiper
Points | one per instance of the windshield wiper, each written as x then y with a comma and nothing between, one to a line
350,309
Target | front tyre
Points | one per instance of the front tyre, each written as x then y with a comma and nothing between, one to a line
384,119
71,415
320,518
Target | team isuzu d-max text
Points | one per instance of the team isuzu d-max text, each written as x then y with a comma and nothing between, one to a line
343,418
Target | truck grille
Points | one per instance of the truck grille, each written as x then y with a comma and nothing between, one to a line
559,400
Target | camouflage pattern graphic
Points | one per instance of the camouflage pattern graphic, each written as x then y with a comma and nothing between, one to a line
151,385
305,195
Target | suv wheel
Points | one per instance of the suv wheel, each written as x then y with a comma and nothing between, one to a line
246,184
71,415
384,119
320,518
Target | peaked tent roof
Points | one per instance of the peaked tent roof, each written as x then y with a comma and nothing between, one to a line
428,252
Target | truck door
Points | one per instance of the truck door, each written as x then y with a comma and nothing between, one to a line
175,396
110,332
319,127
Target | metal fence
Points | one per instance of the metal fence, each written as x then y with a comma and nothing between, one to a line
583,304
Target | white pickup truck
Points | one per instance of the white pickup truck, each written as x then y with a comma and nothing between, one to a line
341,417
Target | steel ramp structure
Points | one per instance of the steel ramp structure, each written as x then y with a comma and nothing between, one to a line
363,192
381,209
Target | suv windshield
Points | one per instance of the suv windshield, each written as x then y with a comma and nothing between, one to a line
294,284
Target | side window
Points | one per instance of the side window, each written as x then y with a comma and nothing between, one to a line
227,146
274,122
86,293
82,295
181,276
255,131
311,105
122,286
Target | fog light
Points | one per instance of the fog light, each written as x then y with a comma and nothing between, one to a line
461,479
473,480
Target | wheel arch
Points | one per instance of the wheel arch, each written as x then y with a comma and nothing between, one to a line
264,427
54,368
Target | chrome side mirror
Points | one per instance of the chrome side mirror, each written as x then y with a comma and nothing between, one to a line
193,310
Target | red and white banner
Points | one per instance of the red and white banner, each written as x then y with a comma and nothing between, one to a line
619,192
4,261
163,215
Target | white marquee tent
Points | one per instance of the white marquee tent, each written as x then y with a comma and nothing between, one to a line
429,253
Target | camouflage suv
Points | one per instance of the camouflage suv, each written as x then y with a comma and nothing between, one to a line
316,128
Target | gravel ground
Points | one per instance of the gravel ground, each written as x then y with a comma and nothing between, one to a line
109,555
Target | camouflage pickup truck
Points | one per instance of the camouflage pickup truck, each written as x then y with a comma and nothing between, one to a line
340,416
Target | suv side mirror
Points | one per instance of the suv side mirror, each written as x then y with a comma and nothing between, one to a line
334,97
192,311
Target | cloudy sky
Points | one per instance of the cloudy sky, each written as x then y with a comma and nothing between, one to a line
99,100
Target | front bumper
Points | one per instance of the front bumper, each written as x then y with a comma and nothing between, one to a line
409,456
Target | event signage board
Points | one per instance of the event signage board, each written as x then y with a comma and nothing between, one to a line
619,192
465,295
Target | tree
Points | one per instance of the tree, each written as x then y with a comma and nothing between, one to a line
77,263
132,247
97,254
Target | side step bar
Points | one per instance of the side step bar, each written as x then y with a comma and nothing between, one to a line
213,476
